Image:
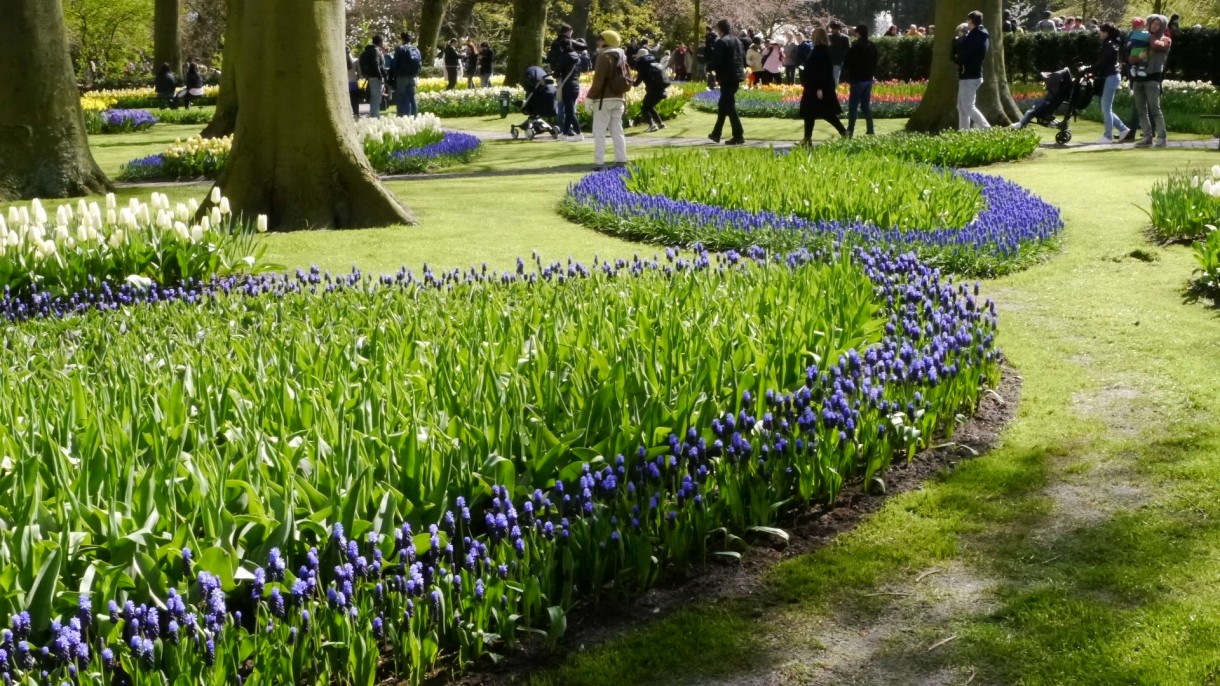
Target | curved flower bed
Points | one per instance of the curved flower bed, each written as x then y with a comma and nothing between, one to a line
890,99
118,121
503,552
1014,226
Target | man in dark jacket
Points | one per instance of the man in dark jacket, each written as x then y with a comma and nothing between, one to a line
372,67
729,64
566,66
839,45
705,57
407,63
453,63
559,46
861,63
969,51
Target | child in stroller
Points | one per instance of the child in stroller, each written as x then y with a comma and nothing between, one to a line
1062,87
538,106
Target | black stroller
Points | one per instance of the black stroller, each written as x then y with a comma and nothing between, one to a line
538,106
1066,95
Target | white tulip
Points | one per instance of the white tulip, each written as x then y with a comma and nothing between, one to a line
262,223
197,234
215,194
224,205
111,201
215,214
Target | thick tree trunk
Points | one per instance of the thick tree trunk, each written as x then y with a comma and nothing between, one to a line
938,110
525,42
224,122
296,157
44,152
460,15
580,18
431,16
167,35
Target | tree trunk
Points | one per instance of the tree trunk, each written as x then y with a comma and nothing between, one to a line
938,110
44,152
526,39
580,18
431,16
460,16
296,157
167,36
224,121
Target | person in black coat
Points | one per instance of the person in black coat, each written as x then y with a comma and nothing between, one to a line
453,63
165,85
819,100
969,51
728,61
487,57
861,65
566,65
651,74
705,56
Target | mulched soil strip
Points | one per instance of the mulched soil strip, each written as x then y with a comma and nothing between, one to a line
715,582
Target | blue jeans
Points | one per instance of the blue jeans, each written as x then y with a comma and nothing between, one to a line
861,96
1108,117
569,125
404,97
375,98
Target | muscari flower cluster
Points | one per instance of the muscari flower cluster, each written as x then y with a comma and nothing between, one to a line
453,144
127,120
481,555
1013,219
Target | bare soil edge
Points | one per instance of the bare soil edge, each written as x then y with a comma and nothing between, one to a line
809,531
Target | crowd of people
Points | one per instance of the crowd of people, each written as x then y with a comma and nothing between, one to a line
393,75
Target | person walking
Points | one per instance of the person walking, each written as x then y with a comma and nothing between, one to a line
353,83
819,100
372,67
1146,86
861,64
651,74
754,61
839,43
1047,25
773,63
487,57
709,47
567,65
607,98
969,51
1106,71
470,62
728,63
453,63
407,64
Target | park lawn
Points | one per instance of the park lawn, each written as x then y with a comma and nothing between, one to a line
1092,530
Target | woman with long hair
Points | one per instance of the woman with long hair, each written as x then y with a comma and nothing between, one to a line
1106,71
819,100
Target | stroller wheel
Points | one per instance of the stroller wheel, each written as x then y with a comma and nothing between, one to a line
1063,137
514,132
529,134
554,133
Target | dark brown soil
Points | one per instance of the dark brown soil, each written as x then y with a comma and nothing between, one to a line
808,532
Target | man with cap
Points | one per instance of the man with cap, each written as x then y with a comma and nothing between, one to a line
607,98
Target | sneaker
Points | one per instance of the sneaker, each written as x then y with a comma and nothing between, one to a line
599,167
652,128
578,137
1127,136
1144,143
713,138
736,140
661,125
1104,140
1016,127
1160,143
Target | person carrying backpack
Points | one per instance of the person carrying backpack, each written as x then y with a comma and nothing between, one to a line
372,67
407,63
607,98
567,65
652,75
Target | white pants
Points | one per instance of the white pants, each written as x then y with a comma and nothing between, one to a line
967,111
608,117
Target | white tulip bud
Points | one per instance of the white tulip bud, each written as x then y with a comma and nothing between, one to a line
224,206
262,223
215,194
111,201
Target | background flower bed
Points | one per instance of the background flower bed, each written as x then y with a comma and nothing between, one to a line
891,99
1013,228
778,406
146,98
393,145
77,250
485,102
1181,102
118,121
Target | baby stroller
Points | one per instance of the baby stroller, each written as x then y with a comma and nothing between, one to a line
538,106
1066,94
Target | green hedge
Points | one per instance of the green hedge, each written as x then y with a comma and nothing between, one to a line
1195,55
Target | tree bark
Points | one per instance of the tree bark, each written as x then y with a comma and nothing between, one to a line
224,122
431,16
44,152
938,110
167,35
525,41
580,18
296,157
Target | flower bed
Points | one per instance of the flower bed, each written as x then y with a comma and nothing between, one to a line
78,248
393,145
1181,103
476,102
118,121
890,100
1207,254
1013,228
146,98
395,502
1184,204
